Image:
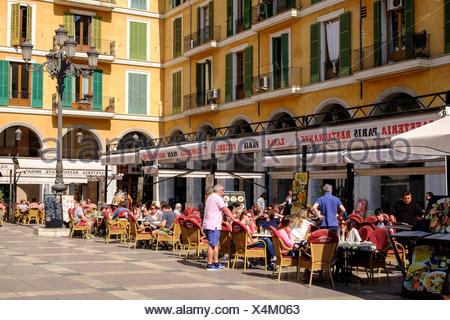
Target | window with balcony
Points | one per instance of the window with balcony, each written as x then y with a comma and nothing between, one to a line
177,37
21,23
205,22
20,87
239,16
137,93
138,4
83,92
280,61
85,29
330,48
138,40
203,81
176,92
238,74
394,38
175,3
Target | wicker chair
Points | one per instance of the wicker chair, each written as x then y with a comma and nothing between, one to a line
240,237
283,260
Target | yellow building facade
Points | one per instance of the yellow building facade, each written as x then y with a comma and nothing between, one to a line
175,68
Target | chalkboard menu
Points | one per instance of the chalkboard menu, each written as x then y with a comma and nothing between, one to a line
53,211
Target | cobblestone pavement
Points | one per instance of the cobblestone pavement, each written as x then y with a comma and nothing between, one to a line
37,267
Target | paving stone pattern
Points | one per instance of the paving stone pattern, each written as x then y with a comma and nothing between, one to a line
53,268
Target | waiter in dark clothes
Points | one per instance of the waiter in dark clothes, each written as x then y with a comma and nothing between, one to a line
406,210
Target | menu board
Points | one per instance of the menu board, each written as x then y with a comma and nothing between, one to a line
439,216
299,192
231,197
53,211
427,276
68,202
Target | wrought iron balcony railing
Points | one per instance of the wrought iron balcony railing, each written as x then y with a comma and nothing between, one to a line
268,9
273,78
201,37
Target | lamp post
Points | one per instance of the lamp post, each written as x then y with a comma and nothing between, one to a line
59,66
13,176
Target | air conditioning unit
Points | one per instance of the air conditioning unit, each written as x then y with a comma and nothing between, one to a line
394,4
192,44
263,83
213,95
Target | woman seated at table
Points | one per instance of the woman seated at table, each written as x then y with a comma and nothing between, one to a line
348,232
248,220
300,226
288,239
152,219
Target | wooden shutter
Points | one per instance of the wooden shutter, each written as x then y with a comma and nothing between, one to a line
97,32
409,28
211,18
176,92
345,46
284,60
137,93
247,14
29,21
177,37
69,24
198,21
447,26
229,18
37,87
248,71
97,88
200,83
229,77
315,53
67,94
138,40
4,79
377,45
15,24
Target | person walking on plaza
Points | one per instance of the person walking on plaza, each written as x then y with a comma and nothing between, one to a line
326,208
212,224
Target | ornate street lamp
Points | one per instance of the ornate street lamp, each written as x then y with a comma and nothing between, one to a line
79,137
59,66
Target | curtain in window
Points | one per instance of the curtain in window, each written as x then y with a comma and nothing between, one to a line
332,28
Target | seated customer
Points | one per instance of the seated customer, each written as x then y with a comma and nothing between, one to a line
300,226
168,217
382,222
121,211
348,232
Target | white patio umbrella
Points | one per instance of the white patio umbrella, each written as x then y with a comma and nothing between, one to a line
432,139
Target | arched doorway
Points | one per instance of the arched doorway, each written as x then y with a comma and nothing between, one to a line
332,112
281,121
396,103
81,144
134,182
22,142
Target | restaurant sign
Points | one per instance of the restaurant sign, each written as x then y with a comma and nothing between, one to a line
357,131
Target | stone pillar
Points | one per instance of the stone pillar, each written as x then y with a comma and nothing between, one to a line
314,191
258,166
166,190
194,193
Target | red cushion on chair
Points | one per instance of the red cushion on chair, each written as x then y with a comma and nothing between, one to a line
237,227
356,217
371,219
365,232
323,236
226,227
380,239
81,223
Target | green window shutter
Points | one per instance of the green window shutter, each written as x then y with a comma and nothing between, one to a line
138,40
15,24
447,26
229,77
177,37
377,45
229,18
345,47
4,79
248,71
284,60
315,53
176,92
97,90
69,23
67,94
247,14
409,28
37,87
97,32
137,93
198,21
211,18
29,21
